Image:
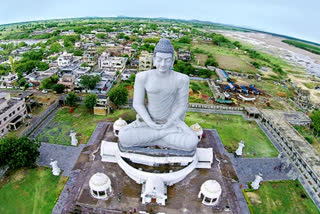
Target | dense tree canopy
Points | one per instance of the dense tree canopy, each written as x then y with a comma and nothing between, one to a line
119,95
315,117
71,99
59,88
89,82
18,152
90,101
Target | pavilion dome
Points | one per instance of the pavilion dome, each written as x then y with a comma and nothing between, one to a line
118,124
211,189
100,182
196,127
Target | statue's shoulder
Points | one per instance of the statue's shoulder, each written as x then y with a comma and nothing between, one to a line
143,74
181,77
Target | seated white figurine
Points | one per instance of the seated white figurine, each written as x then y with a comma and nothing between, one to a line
161,121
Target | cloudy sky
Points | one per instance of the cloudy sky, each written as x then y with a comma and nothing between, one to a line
297,18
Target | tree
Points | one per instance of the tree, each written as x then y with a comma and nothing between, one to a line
315,117
56,47
211,62
101,35
90,101
22,44
71,99
132,78
59,88
119,95
185,39
18,152
49,82
89,81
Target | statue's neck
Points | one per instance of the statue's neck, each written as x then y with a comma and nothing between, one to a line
163,74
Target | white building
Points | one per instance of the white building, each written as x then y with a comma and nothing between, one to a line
145,61
8,80
12,113
65,59
106,61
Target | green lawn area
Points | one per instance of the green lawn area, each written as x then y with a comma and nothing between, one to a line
285,197
30,191
234,128
81,121
199,88
307,133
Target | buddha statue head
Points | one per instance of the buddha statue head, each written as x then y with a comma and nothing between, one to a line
163,57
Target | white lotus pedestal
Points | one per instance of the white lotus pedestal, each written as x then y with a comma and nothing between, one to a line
154,184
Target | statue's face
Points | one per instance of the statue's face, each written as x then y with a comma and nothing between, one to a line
163,61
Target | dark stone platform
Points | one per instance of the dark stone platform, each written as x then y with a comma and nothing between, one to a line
182,196
158,152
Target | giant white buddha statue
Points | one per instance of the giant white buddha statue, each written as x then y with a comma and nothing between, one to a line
160,122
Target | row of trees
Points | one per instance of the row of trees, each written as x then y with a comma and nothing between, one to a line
188,69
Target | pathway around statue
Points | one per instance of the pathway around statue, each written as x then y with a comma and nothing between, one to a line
65,155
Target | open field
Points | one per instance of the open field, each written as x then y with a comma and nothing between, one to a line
30,191
307,133
200,92
234,128
284,197
81,121
229,59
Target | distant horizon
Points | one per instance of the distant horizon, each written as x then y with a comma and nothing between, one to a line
164,18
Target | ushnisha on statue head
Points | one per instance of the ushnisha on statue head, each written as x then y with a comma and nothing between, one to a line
163,57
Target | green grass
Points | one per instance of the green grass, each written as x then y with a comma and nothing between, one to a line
227,58
30,191
198,88
302,45
307,133
234,128
81,121
284,197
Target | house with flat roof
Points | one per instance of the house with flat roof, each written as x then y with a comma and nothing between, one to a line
7,81
106,61
68,80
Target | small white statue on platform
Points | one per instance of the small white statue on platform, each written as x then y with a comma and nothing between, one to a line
240,148
55,169
74,141
256,183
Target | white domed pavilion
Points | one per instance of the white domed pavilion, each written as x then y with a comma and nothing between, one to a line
100,186
198,130
117,125
210,192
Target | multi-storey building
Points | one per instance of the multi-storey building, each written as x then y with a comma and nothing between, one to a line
90,57
145,61
12,113
106,61
65,59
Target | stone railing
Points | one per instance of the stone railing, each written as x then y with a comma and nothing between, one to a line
214,107
43,116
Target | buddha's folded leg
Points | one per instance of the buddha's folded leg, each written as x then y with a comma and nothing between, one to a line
184,139
141,135
181,141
